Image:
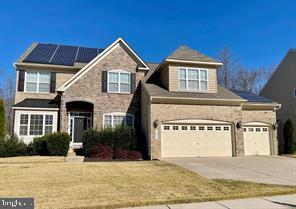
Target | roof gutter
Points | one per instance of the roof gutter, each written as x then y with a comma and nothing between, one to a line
35,108
22,64
194,62
156,99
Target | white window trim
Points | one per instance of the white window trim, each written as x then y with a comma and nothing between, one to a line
37,82
29,123
199,79
119,82
118,114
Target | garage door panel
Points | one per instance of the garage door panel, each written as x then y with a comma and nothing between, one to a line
197,141
256,140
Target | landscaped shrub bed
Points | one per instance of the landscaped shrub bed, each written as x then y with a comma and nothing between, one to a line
12,147
55,144
119,142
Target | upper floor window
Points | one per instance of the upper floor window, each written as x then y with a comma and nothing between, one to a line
193,79
118,119
37,82
119,81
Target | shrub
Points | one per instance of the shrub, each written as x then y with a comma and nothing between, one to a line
39,146
134,155
102,152
55,144
58,143
12,147
289,136
92,137
124,138
121,154
2,120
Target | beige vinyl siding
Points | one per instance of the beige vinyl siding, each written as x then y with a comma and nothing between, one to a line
174,82
164,77
61,77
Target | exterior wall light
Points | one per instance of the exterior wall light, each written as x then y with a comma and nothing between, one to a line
238,124
156,123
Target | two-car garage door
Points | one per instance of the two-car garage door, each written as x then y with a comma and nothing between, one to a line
211,139
196,140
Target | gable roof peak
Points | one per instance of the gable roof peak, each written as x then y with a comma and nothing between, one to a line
185,53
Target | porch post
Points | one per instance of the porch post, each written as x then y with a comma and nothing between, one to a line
63,116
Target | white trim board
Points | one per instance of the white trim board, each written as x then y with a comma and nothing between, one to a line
96,60
35,108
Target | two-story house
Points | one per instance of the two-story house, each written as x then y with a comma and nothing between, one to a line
177,105
281,87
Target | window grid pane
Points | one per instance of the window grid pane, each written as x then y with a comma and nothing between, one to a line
193,79
36,125
119,82
31,87
107,121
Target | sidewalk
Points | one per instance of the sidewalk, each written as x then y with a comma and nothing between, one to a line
274,202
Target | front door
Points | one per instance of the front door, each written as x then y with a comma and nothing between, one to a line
79,128
78,123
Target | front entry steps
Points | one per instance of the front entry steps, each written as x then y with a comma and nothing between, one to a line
72,157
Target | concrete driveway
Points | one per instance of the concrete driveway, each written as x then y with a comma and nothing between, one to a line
260,169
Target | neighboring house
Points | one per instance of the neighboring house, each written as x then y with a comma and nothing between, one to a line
177,105
281,87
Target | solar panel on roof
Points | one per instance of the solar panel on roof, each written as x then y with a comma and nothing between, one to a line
85,55
42,53
251,97
65,55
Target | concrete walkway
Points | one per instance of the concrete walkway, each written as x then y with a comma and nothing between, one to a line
274,202
260,169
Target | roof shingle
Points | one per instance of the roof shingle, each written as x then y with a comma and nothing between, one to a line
186,53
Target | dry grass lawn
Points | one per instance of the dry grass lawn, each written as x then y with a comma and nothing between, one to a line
56,184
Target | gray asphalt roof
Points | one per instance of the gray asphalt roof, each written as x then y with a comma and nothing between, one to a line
223,93
186,53
38,103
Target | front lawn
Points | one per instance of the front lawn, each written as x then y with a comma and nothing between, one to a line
56,184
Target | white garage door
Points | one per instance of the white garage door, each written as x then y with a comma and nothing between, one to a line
256,140
204,140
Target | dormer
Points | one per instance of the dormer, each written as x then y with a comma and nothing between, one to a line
187,70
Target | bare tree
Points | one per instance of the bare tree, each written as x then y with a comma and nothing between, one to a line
227,71
8,93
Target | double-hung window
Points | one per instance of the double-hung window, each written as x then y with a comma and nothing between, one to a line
193,79
116,119
119,81
37,82
35,124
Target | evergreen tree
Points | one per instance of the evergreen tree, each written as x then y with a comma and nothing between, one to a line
289,136
2,120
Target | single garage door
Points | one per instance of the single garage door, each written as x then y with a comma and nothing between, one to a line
256,140
200,140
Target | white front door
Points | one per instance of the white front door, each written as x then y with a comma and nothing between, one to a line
196,140
256,140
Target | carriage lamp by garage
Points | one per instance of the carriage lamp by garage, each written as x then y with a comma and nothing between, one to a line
156,123
238,124
276,125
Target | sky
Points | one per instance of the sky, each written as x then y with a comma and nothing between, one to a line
258,33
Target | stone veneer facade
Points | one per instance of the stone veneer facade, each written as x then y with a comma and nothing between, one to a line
89,89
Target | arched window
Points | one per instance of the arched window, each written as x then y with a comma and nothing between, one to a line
119,81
